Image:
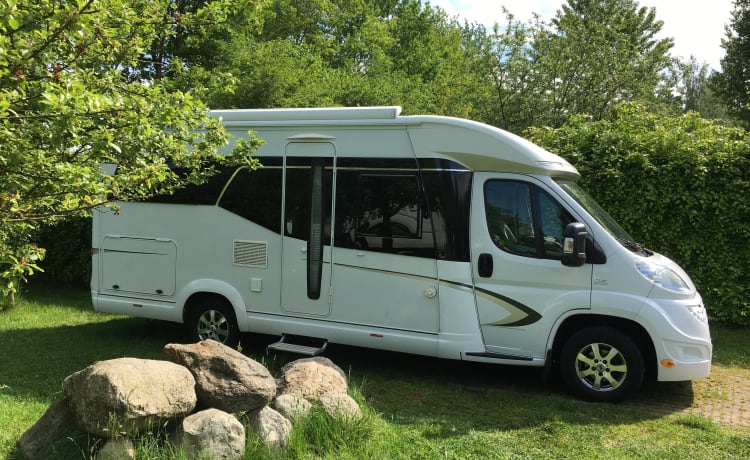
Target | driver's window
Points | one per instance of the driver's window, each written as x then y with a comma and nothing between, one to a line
508,207
524,219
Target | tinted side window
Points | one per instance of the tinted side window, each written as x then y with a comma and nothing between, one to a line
206,193
449,195
256,195
382,212
525,220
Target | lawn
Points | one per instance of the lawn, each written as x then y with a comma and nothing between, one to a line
415,407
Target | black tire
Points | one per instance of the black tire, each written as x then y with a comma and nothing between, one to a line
602,364
213,318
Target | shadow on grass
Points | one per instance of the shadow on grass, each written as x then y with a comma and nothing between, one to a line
453,398
38,360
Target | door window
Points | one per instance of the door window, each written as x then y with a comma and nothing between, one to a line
382,212
525,220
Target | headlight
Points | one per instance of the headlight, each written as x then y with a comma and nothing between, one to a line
662,276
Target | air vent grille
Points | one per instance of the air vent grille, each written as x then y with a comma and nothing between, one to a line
251,254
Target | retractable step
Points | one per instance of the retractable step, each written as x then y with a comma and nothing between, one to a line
300,345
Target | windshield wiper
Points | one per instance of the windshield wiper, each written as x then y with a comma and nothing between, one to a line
635,247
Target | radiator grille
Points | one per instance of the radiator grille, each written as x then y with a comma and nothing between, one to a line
251,254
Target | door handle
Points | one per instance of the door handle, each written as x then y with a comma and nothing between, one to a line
485,265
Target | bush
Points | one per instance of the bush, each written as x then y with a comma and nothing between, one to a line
680,185
68,245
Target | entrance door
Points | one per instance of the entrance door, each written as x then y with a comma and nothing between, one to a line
385,273
306,242
521,285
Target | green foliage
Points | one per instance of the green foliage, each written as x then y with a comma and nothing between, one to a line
677,184
67,107
68,258
323,53
597,53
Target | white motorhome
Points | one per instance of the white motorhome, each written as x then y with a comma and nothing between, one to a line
421,234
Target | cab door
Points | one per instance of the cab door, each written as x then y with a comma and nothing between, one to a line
520,283
306,241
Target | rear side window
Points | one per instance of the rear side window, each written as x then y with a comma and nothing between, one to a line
256,195
206,193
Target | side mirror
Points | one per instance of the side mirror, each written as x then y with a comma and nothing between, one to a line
574,245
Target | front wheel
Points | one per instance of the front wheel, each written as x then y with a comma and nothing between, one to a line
214,319
602,364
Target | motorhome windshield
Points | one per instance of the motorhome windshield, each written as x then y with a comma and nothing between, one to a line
604,219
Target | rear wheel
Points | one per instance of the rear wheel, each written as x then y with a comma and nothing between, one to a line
602,364
214,319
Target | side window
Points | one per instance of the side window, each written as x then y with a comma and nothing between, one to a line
256,195
382,212
525,220
508,207
205,194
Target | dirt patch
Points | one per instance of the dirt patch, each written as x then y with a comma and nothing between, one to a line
723,397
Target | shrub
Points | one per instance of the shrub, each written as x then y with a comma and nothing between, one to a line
68,245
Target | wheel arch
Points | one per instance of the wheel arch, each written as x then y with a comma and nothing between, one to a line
200,290
632,329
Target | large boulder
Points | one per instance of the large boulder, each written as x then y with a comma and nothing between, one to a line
129,395
54,425
272,427
211,433
312,378
225,378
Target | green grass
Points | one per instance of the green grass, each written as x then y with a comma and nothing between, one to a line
414,407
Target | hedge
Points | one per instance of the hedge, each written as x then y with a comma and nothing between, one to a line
680,185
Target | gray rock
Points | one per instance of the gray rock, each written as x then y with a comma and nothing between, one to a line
129,395
211,433
272,427
117,449
312,378
339,405
225,378
56,424
292,405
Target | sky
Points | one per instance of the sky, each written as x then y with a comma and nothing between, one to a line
697,26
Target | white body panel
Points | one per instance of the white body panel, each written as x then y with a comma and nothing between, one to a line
149,258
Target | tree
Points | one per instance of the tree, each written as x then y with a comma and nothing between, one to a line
733,82
67,108
598,52
693,91
355,52
509,98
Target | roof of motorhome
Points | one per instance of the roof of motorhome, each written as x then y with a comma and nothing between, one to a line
478,146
